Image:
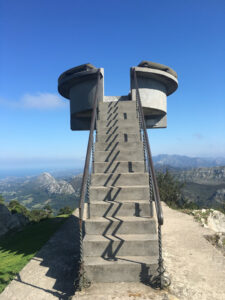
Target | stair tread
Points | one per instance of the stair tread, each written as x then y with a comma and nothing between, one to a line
123,150
121,173
121,202
119,186
119,237
122,161
120,218
95,260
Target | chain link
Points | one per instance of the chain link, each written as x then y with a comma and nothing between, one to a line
160,281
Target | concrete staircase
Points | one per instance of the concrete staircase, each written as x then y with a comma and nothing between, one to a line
120,242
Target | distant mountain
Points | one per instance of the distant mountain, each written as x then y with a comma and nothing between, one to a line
48,183
37,191
210,176
185,162
204,186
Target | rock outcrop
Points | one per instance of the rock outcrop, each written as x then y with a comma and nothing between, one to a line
9,222
47,182
211,176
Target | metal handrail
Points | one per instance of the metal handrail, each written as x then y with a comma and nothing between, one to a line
89,151
82,281
149,157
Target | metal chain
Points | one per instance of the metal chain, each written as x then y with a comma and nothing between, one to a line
82,280
144,150
160,280
150,192
93,157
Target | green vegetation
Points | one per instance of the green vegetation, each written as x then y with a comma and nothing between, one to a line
170,190
1,200
65,210
16,208
34,215
18,248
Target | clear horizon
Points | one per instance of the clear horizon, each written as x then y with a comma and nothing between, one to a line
42,39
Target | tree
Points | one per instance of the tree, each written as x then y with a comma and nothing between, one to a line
66,210
2,200
170,189
37,215
48,210
16,208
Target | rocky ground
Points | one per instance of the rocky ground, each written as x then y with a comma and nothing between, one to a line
196,268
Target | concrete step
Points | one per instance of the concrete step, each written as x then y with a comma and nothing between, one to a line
119,193
123,129
119,137
118,115
118,155
113,208
120,225
120,145
124,269
122,244
124,179
119,167
121,105
120,123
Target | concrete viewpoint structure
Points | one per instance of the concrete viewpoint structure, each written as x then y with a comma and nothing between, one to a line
121,241
155,82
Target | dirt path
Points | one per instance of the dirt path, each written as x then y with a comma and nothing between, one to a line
196,268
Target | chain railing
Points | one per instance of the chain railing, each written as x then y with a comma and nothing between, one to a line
83,281
160,280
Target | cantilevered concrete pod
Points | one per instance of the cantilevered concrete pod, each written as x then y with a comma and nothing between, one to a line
155,82
79,86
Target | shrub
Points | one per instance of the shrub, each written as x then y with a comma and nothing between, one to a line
170,189
66,210
37,215
2,200
16,208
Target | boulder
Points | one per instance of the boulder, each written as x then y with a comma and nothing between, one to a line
216,221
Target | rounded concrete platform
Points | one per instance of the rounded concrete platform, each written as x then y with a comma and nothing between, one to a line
155,83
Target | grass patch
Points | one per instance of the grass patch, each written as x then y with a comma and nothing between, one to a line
18,248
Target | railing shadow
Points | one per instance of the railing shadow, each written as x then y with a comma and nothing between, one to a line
111,143
111,134
109,253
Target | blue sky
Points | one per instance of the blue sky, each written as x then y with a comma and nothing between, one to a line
41,39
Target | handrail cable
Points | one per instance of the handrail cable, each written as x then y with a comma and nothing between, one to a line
88,154
82,281
149,156
159,281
